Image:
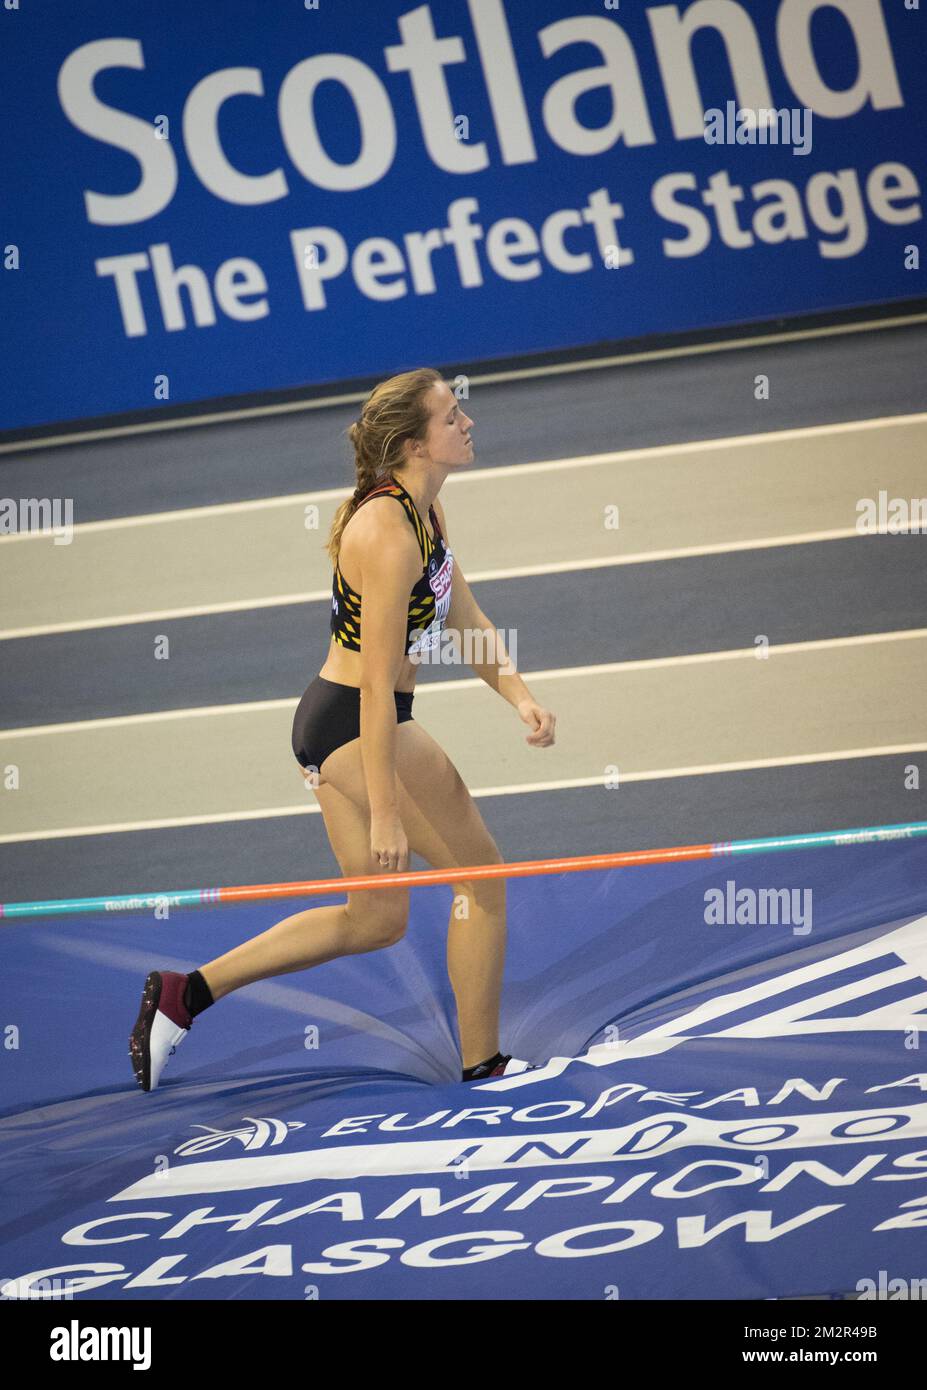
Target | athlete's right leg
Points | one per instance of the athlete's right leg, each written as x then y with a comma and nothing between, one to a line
368,921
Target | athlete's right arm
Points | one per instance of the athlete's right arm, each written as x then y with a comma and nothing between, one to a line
390,564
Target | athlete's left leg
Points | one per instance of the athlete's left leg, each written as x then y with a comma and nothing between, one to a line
448,831
443,825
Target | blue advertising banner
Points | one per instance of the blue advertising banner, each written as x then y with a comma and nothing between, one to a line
202,201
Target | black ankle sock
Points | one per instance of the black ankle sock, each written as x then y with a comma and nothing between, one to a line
196,995
481,1068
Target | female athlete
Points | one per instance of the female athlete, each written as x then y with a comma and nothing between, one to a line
382,782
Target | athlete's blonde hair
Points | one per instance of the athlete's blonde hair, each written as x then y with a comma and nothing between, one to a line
395,411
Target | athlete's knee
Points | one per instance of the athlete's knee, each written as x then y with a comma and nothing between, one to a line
486,893
489,893
378,921
492,855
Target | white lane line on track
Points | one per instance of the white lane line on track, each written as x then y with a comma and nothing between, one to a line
482,475
514,789
643,557
608,668
489,378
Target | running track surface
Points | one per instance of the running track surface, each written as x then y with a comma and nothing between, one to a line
641,639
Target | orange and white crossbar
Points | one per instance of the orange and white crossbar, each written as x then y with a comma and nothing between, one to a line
263,892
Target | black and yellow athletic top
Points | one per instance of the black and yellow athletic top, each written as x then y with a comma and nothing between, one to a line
431,597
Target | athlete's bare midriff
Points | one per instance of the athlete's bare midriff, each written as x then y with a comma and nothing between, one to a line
344,666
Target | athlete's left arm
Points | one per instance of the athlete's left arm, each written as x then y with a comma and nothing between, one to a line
484,651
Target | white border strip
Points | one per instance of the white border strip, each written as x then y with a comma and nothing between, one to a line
482,379
648,454
512,789
434,688
245,605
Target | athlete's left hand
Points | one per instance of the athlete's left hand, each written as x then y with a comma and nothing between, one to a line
542,722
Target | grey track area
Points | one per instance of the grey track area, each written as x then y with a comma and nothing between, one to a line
706,603
710,394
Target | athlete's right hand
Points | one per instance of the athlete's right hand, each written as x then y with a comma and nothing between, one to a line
388,843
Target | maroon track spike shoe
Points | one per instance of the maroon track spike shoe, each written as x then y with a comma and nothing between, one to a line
162,1024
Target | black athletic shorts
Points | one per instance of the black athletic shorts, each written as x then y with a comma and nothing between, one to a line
328,715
